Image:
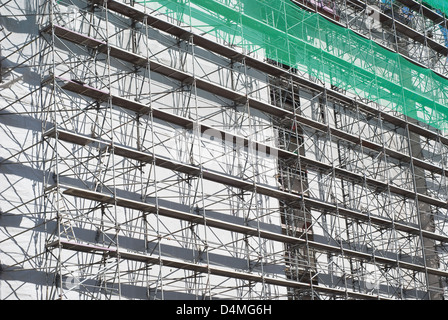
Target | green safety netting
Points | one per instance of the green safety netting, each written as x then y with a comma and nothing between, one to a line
282,31
441,5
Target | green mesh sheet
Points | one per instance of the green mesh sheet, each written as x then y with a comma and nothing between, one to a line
282,31
442,5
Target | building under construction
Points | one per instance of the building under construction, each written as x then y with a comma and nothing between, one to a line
224,149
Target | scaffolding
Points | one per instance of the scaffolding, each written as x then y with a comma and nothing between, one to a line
178,154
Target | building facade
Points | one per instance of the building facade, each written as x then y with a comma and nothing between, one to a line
223,149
